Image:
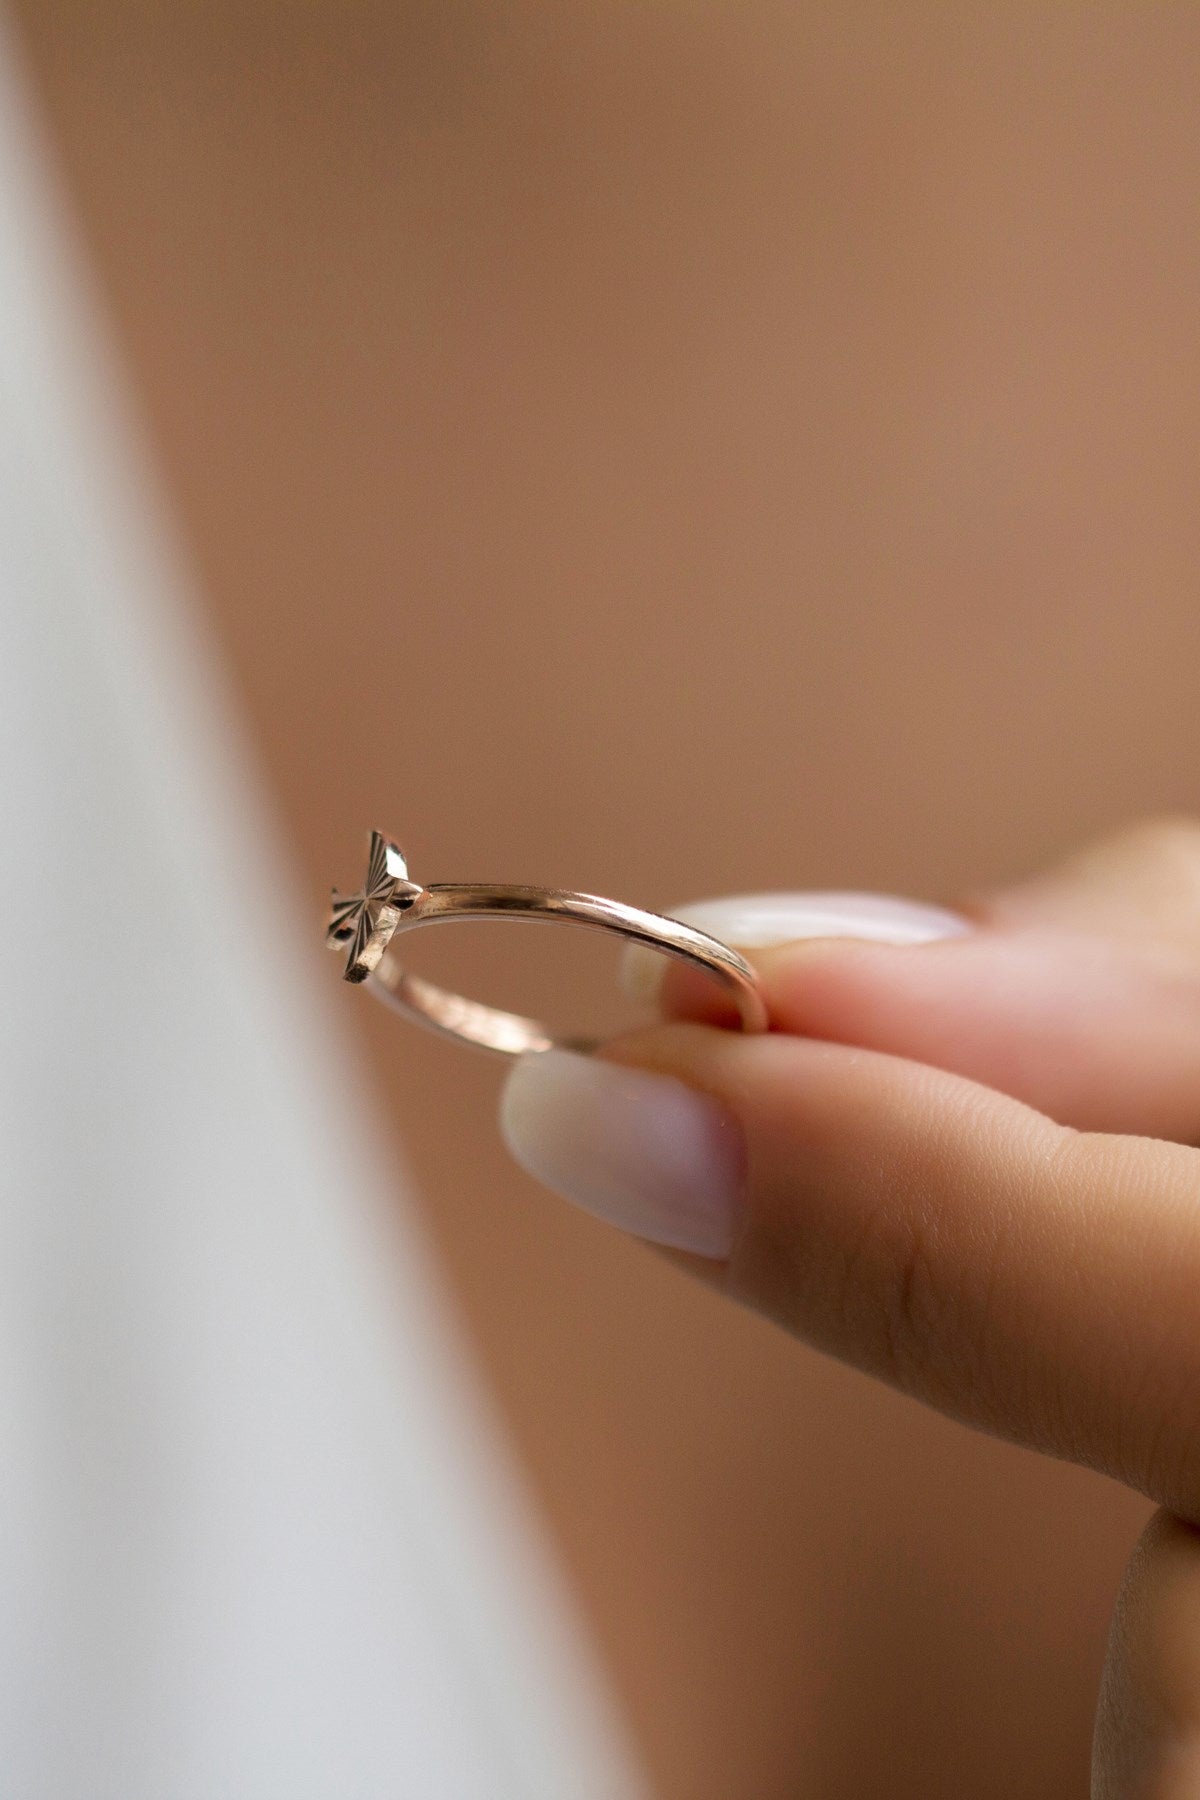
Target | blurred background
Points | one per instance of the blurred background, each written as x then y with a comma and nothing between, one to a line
669,450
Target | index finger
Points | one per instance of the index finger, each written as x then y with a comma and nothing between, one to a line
1077,991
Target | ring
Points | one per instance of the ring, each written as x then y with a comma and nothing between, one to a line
367,923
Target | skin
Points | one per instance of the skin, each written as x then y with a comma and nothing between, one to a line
971,1171
763,413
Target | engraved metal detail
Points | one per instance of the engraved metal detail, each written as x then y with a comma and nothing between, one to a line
363,923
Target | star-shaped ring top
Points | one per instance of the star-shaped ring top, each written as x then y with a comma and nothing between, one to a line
366,920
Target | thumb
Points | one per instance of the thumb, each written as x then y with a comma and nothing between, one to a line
1023,1277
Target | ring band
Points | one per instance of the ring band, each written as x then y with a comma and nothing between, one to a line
367,923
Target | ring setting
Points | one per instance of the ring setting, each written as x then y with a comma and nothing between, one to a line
365,921
366,925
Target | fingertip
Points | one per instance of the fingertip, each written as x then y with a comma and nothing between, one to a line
641,1149
761,922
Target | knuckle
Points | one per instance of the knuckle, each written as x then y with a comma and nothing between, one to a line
909,1309
894,1275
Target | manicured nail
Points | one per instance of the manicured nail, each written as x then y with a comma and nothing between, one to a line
758,921
643,1151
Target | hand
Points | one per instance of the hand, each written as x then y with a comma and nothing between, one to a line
962,1164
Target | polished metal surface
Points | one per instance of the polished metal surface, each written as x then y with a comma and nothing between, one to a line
389,903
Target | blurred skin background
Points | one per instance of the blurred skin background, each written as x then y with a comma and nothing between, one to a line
673,450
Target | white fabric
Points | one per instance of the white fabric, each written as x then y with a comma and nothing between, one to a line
256,1535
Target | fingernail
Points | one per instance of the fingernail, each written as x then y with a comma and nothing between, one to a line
757,921
641,1150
